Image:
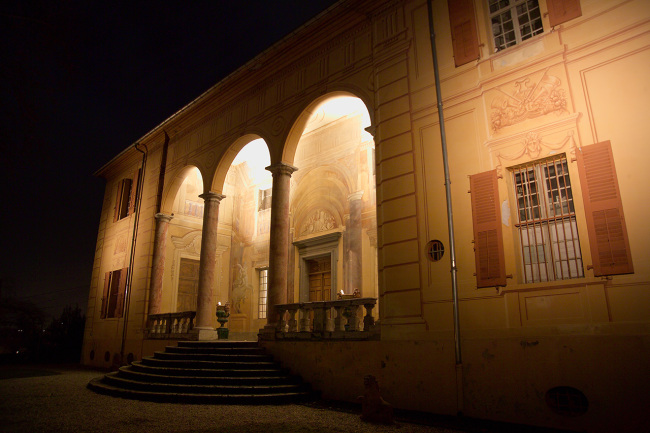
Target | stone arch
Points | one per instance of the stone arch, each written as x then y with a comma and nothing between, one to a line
228,156
299,123
175,182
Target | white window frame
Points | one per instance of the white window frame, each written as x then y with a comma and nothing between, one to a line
262,304
545,221
497,11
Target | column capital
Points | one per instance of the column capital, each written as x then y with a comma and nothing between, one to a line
281,168
355,195
162,217
212,196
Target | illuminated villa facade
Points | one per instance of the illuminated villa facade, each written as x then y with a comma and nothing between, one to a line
317,170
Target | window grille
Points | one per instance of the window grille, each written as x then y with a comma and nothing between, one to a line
514,21
546,221
264,273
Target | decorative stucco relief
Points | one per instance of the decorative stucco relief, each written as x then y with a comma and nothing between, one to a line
534,146
320,221
528,100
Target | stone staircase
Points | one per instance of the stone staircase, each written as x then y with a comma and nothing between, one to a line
206,372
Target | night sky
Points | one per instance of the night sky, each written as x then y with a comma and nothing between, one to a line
82,81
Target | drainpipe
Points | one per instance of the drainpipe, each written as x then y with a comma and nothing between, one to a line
450,218
138,200
161,176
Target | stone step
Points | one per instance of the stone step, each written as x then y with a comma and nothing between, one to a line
216,350
203,364
205,372
116,380
192,356
270,398
191,379
219,344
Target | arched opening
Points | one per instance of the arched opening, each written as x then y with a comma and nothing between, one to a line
333,204
243,239
183,245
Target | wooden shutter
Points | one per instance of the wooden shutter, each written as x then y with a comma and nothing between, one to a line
610,246
134,191
486,218
464,35
119,307
107,284
118,201
561,11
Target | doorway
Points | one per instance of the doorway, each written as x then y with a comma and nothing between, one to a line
320,278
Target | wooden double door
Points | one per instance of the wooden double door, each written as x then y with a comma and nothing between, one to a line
320,278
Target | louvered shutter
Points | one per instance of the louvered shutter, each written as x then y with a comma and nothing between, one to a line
119,307
134,191
486,218
464,35
118,201
610,246
107,282
561,11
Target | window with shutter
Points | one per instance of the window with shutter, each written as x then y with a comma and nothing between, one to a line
123,199
134,191
107,282
464,35
114,293
488,240
610,246
561,11
127,194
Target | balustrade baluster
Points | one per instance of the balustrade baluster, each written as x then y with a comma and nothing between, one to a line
339,323
368,320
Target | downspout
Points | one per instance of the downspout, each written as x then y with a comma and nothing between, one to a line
450,218
161,176
138,200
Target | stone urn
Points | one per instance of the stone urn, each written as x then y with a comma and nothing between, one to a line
223,312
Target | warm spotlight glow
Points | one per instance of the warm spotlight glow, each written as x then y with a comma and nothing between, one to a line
256,155
337,107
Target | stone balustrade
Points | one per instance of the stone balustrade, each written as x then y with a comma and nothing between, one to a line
335,320
170,325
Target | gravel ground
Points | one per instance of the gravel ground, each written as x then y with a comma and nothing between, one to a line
55,399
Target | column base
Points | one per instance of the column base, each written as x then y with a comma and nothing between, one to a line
204,334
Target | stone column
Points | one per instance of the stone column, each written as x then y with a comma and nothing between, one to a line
158,267
205,305
279,240
353,231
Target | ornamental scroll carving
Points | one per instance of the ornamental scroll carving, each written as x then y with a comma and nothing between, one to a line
533,145
320,221
528,100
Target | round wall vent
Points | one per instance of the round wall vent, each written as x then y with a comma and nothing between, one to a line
435,250
566,400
